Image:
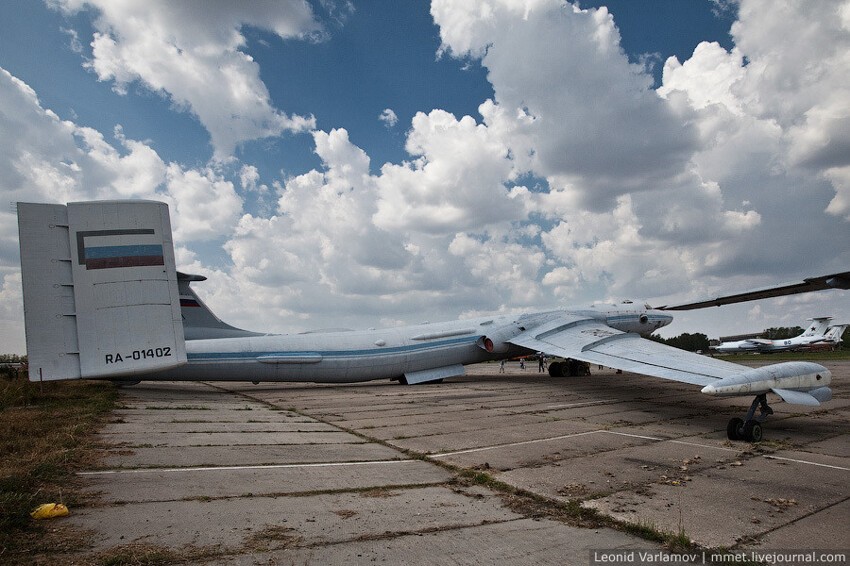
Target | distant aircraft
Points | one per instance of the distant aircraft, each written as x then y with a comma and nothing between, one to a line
832,339
103,300
814,334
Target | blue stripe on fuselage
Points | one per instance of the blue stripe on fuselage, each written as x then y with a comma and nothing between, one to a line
223,356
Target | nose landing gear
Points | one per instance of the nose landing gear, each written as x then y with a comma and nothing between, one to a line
749,428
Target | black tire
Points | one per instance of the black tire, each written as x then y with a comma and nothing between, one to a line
753,431
734,428
556,369
577,368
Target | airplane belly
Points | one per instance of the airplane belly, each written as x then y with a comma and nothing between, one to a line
301,358
335,358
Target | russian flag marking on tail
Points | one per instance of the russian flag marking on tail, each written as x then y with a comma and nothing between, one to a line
108,249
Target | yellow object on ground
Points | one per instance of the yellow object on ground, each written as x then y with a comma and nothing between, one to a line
49,511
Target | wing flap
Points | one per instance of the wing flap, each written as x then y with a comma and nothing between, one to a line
591,341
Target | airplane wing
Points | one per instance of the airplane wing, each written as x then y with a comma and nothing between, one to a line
833,281
591,341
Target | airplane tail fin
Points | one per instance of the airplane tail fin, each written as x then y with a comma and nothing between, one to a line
835,333
100,289
199,322
818,326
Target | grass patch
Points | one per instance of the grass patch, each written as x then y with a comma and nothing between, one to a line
45,436
817,357
178,408
141,554
679,542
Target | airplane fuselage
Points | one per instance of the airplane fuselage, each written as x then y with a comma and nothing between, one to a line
768,346
360,355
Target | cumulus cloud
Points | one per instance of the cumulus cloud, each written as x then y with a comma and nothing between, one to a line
317,249
456,181
343,241
576,181
388,117
773,119
53,160
191,52
204,204
610,149
716,164
589,118
46,159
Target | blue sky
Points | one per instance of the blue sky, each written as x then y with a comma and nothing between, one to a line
530,155
382,54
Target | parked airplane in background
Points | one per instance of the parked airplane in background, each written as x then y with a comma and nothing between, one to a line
831,340
103,300
812,335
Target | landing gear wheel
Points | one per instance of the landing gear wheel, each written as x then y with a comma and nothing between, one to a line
578,368
569,368
734,428
752,431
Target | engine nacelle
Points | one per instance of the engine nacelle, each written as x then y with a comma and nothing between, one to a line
795,376
493,346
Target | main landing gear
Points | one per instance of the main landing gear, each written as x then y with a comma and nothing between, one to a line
569,368
749,428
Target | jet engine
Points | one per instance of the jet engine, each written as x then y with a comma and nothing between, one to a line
493,346
498,341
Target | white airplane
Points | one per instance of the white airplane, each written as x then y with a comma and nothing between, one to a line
814,334
103,300
833,337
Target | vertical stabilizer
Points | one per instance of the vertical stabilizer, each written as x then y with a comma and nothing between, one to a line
199,322
818,326
835,333
100,289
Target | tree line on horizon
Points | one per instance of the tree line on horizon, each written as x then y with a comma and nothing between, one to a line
10,364
699,342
